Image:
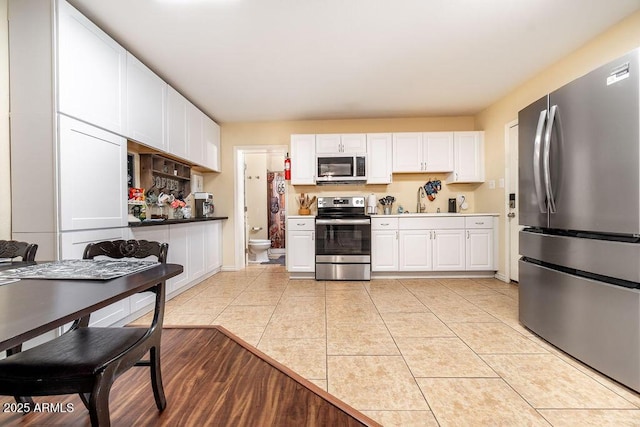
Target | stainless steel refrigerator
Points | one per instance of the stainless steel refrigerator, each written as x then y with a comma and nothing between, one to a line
579,186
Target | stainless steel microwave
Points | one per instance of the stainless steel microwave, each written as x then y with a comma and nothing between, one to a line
341,168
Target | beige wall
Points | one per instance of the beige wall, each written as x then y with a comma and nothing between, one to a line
5,175
256,194
404,187
609,45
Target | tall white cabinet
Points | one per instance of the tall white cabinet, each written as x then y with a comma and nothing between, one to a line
303,159
91,71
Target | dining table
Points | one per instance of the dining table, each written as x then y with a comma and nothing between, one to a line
30,307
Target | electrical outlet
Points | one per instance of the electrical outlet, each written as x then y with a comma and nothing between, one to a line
492,184
501,183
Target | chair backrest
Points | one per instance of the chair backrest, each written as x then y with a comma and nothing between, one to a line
127,249
13,249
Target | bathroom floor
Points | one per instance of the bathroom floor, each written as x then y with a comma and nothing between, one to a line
411,352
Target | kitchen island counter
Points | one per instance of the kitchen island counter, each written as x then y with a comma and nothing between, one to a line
175,221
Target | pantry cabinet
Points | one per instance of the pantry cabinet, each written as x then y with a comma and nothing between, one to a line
303,159
301,251
379,158
468,158
146,105
211,141
91,72
423,152
93,187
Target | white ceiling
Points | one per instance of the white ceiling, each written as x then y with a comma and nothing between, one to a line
254,60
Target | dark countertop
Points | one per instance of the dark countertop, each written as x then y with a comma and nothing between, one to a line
176,221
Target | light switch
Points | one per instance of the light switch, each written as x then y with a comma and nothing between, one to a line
501,183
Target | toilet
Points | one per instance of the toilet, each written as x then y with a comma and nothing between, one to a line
259,250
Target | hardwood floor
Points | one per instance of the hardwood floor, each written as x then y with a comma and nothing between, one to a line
211,378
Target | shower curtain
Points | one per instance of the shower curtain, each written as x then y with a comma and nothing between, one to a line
275,197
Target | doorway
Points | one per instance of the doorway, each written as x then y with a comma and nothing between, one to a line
511,201
257,188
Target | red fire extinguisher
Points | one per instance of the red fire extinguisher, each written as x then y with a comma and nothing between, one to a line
287,167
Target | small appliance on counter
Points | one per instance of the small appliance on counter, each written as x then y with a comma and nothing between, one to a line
372,204
204,204
453,206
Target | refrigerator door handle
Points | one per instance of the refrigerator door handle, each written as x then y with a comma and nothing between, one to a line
537,182
545,160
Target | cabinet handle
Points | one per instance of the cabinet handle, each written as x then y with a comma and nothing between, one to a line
385,224
467,234
397,235
479,223
300,225
313,235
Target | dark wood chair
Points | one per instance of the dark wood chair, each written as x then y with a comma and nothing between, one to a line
14,249
87,360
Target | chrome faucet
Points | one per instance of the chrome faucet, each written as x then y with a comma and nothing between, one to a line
422,194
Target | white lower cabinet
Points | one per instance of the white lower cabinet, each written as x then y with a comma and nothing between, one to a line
301,250
178,254
434,243
448,250
158,233
213,245
384,244
73,244
480,252
416,250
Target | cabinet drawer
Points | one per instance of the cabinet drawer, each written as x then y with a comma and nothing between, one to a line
478,222
430,223
301,224
384,223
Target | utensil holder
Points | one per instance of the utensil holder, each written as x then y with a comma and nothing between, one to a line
387,210
304,211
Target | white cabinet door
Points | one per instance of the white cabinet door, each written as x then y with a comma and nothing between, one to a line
178,254
353,143
73,244
301,251
448,250
91,72
468,157
146,105
415,250
213,245
93,186
479,249
379,158
177,107
329,143
196,254
384,250
157,233
211,141
438,151
195,142
303,159
408,152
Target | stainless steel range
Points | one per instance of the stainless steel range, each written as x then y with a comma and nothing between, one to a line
343,239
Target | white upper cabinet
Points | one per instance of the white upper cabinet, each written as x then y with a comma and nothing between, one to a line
177,107
379,158
408,152
438,151
146,105
195,143
303,159
93,185
333,143
468,157
211,141
91,72
423,152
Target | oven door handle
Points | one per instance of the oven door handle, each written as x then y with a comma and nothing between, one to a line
342,221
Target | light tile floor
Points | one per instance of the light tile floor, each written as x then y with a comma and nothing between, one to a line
410,352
